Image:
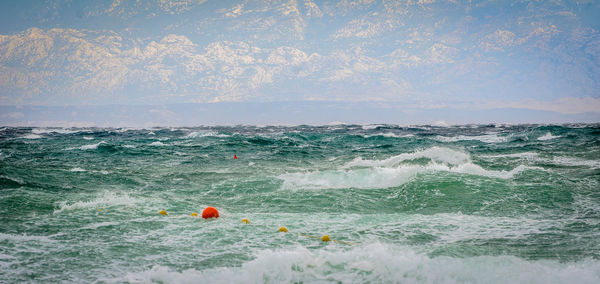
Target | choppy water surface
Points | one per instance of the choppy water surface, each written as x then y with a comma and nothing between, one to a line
421,204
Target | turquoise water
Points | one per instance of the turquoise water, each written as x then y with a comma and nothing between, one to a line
422,204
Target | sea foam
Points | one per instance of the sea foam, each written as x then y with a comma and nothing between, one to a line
547,136
105,200
377,262
487,138
392,172
88,147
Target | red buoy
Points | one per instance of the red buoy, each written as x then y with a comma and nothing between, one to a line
210,212
235,157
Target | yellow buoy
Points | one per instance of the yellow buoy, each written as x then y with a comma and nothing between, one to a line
162,212
245,221
194,214
325,238
283,229
99,209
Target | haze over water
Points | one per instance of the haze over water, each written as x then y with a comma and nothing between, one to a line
425,204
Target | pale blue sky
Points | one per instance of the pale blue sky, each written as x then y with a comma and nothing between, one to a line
419,56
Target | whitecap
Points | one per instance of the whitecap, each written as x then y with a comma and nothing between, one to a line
55,130
384,177
525,155
157,143
374,263
440,154
89,147
371,126
100,225
24,237
198,134
104,200
575,162
31,136
547,136
392,172
388,135
77,169
487,138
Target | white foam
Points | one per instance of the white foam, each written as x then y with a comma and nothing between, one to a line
377,263
392,172
371,126
31,136
24,237
388,135
488,138
77,169
88,147
14,179
56,130
384,177
128,146
198,134
88,138
547,136
105,200
575,162
439,154
525,155
157,143
356,178
100,225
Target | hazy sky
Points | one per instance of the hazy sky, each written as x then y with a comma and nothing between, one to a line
419,55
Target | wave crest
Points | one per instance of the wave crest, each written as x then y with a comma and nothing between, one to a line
392,172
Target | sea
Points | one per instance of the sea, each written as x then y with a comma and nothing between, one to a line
400,204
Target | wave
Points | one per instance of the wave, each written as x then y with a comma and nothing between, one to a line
157,143
105,200
24,237
94,226
439,154
31,136
359,178
380,177
375,263
575,162
58,130
525,155
369,174
372,126
388,135
488,138
547,136
88,147
11,181
198,134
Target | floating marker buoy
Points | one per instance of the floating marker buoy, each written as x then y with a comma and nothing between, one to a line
245,221
100,210
194,214
325,238
210,212
162,212
235,157
283,229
